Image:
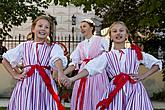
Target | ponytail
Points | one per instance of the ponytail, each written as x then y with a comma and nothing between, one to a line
33,35
130,39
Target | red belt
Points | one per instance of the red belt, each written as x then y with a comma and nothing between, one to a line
119,81
47,81
81,90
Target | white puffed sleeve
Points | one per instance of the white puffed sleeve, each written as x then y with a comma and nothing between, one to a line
149,61
97,65
104,44
14,56
57,53
75,56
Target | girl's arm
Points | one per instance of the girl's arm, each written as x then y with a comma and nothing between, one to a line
150,62
82,74
14,73
68,81
153,69
75,58
69,69
95,66
139,77
61,76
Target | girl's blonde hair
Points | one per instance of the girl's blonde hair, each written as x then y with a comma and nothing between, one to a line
115,23
110,28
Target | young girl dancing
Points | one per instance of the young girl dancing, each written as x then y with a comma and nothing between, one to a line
126,91
35,88
87,91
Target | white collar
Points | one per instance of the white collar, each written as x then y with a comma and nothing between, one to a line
90,39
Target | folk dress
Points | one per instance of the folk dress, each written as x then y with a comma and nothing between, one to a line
87,91
32,93
132,95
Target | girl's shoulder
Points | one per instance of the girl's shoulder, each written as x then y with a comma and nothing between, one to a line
58,45
81,43
98,37
28,42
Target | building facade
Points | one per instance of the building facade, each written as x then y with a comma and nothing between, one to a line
63,16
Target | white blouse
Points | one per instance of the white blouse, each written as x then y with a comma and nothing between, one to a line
15,55
98,64
75,55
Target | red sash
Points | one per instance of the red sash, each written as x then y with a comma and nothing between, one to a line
81,90
119,81
47,81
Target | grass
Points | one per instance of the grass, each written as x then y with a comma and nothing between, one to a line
2,108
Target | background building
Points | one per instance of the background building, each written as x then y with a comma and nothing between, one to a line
64,17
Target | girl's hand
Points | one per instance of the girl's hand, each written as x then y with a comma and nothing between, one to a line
137,77
68,83
62,79
65,81
19,76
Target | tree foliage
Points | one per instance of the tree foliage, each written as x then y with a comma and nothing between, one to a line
15,12
145,16
137,14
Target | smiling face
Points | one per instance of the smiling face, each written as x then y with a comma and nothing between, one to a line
86,29
118,33
41,29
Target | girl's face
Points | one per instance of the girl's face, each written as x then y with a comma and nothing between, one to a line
118,33
85,29
41,29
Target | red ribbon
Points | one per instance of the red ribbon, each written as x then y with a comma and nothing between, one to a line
86,60
138,51
119,81
47,81
81,89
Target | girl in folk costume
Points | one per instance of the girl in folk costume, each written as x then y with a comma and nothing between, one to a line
88,91
126,91
35,88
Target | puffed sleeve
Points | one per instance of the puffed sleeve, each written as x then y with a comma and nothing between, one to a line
97,65
149,61
104,44
57,53
14,56
75,56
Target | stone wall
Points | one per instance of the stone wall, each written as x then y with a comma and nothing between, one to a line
6,82
153,83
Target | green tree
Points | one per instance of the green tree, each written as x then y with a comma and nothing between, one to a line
137,14
15,12
144,16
